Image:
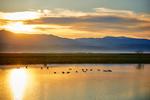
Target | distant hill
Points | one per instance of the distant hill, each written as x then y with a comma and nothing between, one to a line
10,42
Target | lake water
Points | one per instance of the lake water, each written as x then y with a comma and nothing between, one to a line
75,82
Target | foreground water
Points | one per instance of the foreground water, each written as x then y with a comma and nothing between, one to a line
75,82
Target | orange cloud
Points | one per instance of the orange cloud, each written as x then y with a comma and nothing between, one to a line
100,22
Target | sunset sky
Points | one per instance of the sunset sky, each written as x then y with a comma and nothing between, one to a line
77,18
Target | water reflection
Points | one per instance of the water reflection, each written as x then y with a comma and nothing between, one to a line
18,80
125,82
140,66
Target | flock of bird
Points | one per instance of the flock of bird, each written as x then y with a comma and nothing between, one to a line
84,70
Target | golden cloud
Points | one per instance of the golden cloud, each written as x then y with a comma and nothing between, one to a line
78,24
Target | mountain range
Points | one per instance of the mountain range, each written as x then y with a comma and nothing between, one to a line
11,42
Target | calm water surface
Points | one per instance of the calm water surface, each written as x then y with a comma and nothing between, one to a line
75,82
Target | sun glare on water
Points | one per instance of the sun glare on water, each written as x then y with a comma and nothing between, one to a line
18,81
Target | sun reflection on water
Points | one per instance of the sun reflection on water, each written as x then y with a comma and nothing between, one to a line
18,80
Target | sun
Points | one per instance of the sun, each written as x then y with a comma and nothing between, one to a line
19,27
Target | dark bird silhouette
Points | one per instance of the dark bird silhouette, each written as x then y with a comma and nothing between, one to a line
107,70
83,70
98,70
70,68
68,72
26,67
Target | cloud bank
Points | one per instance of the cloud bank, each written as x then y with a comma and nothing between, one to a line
100,22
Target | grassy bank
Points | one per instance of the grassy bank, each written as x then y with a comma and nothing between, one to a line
62,58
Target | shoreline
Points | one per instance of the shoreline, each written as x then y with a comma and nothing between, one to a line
73,58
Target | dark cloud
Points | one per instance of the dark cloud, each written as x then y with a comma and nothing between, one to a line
86,19
97,23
